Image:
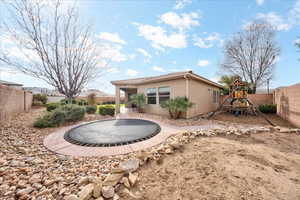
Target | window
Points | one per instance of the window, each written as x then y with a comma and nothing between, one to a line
151,95
164,94
214,96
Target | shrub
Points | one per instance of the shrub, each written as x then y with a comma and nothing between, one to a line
40,97
37,103
108,102
139,101
67,101
268,108
91,109
51,119
52,106
177,106
82,102
91,98
107,110
72,112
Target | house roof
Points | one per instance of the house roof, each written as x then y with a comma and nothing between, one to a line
165,77
9,83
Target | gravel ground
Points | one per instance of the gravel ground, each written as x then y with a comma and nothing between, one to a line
27,166
260,166
208,168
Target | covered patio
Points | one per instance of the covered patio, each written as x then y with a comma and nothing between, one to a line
128,90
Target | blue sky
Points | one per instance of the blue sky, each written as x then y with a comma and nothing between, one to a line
161,36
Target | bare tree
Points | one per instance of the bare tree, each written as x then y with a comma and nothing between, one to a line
50,44
252,54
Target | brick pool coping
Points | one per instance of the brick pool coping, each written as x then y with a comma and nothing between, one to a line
56,143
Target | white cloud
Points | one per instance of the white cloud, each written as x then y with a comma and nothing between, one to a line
260,2
113,70
145,54
131,56
112,37
203,63
111,52
131,72
158,69
160,38
209,41
182,22
181,4
275,20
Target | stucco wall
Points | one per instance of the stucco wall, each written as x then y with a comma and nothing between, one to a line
177,88
201,95
256,99
101,100
288,103
13,101
55,99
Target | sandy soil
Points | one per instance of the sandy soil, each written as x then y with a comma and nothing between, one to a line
260,166
250,119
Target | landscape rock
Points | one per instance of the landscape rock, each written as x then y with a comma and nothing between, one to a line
108,191
125,181
71,197
127,166
113,179
97,190
24,191
83,181
132,178
86,192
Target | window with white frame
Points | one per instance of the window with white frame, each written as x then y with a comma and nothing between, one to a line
151,96
163,94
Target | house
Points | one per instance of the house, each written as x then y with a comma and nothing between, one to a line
199,90
11,84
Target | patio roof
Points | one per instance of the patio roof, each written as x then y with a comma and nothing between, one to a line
166,77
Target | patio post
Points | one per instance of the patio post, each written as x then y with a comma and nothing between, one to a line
117,100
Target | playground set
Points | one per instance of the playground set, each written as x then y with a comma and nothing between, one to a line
239,103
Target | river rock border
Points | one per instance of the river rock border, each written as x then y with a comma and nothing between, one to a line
120,180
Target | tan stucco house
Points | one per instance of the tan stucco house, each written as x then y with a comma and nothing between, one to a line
199,90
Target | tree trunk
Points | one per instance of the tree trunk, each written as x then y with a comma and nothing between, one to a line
171,114
254,89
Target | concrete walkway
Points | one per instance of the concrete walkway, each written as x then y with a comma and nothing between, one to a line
55,142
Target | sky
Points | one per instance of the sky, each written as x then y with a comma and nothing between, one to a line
154,37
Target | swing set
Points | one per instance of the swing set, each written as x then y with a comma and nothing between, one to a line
239,103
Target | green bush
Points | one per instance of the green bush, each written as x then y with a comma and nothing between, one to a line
62,114
40,97
37,103
268,108
50,119
82,102
177,106
90,109
107,110
72,112
66,101
52,106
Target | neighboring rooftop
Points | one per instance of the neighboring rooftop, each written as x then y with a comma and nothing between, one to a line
9,83
41,90
170,76
98,93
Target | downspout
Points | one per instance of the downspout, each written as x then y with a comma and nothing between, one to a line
187,90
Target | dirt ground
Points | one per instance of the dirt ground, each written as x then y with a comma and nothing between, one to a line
250,119
260,166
